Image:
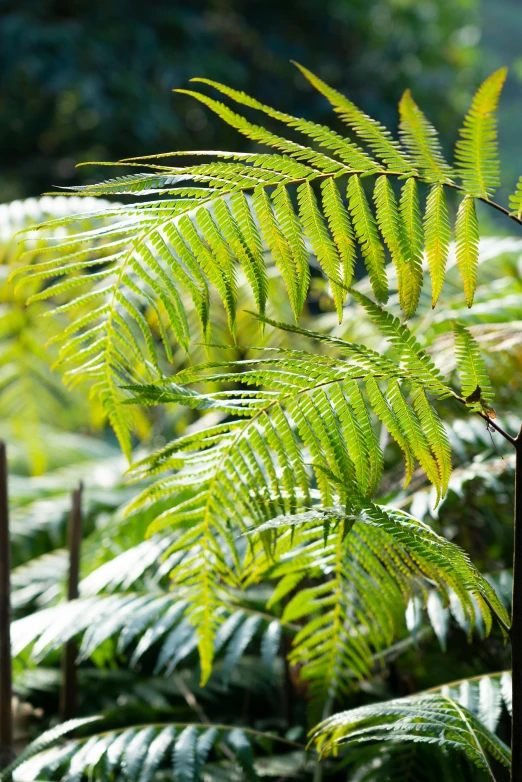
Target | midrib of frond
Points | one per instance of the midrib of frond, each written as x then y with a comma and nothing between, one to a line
471,730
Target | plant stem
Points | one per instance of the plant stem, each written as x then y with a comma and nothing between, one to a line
516,623
6,712
68,694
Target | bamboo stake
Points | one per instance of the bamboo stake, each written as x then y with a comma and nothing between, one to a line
6,686
69,690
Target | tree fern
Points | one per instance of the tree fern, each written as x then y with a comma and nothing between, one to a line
276,483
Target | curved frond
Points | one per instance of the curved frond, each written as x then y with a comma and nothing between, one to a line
189,752
375,559
425,718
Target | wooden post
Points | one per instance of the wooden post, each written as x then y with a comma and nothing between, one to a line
68,694
6,687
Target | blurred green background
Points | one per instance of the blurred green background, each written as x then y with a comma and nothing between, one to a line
91,80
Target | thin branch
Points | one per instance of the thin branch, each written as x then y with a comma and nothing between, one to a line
490,422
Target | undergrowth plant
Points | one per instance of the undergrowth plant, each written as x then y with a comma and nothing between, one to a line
279,480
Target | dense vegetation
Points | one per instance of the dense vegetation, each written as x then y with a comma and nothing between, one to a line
270,570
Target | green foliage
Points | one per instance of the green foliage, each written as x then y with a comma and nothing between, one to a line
472,370
427,718
272,513
150,268
476,152
186,751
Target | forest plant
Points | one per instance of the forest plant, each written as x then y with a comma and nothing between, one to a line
281,483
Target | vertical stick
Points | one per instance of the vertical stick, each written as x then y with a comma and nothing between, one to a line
6,692
516,624
68,694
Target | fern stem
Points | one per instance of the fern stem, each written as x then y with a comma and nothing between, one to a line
516,623
492,423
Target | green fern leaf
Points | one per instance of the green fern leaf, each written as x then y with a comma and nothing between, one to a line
437,234
290,227
321,241
467,246
436,436
422,718
472,370
258,133
340,227
366,231
476,151
421,139
286,247
414,242
391,229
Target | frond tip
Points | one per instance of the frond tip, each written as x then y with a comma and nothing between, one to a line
476,152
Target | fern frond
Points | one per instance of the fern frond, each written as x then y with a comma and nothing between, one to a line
437,234
188,752
476,151
366,231
467,244
123,286
375,560
421,140
322,245
427,718
472,370
304,422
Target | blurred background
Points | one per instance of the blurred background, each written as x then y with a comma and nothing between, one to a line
87,80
